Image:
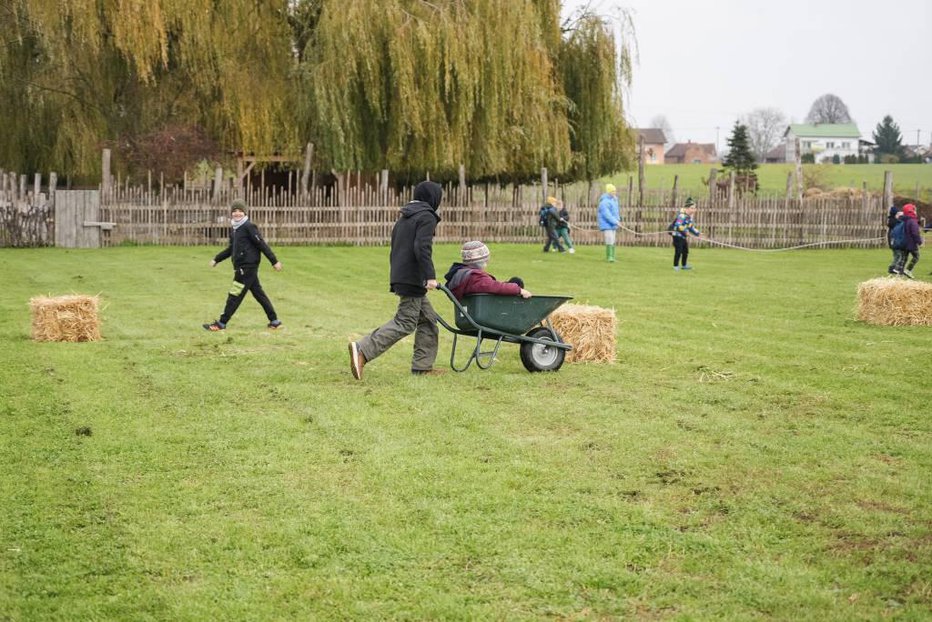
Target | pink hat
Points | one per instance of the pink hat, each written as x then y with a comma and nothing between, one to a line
910,210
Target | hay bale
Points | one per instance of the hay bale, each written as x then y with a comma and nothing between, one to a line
895,302
590,330
65,318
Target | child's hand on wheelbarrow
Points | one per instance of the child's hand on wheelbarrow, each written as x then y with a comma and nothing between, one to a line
431,284
525,293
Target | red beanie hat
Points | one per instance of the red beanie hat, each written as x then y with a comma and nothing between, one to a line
910,210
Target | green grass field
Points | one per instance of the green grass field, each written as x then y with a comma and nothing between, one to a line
772,177
755,452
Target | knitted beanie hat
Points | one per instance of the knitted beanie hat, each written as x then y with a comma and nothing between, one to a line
689,202
610,188
910,210
475,252
238,204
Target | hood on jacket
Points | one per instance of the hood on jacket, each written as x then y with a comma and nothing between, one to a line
429,192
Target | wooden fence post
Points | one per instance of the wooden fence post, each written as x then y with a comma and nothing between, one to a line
218,181
306,172
640,171
887,189
543,183
712,188
676,184
105,182
462,189
799,172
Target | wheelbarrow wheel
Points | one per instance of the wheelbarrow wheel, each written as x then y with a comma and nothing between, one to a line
540,357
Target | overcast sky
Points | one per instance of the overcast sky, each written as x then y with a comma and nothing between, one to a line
702,64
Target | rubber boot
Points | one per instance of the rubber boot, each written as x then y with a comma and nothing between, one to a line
611,254
608,252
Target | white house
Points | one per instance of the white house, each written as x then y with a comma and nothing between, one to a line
823,140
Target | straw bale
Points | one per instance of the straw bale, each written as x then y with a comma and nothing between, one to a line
65,318
589,329
895,302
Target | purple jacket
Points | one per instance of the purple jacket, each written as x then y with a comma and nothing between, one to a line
912,237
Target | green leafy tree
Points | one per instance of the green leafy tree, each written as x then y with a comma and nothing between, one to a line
889,140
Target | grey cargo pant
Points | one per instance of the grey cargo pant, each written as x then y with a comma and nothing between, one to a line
414,315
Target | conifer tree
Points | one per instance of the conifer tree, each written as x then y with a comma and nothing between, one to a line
740,158
888,139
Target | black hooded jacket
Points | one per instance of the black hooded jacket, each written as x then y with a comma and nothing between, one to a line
245,245
412,241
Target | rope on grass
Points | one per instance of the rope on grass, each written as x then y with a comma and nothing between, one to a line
745,248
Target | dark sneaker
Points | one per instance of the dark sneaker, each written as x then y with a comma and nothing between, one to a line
215,326
356,360
275,324
428,372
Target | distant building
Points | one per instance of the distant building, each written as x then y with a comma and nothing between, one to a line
654,140
776,155
823,140
691,153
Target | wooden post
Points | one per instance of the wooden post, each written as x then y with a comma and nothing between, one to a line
676,185
731,192
799,171
22,187
712,174
887,189
630,191
640,171
53,184
462,171
36,188
383,180
306,172
218,180
105,182
543,184
149,181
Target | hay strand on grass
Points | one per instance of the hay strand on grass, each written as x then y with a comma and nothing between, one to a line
65,318
589,329
895,302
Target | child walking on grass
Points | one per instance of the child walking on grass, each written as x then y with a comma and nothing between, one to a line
244,249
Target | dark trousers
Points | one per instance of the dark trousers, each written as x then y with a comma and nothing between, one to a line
680,251
900,257
552,239
246,279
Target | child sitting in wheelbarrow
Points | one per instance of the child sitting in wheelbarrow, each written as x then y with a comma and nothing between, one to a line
470,277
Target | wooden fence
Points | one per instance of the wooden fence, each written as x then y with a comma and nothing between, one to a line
365,216
26,213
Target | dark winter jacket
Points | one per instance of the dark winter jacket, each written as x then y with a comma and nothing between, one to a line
892,221
245,246
412,264
912,235
565,217
463,280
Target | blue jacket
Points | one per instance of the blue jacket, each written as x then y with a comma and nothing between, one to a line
608,212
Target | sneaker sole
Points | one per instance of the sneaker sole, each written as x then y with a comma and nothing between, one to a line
354,361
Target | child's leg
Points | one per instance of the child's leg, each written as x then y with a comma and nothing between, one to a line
914,260
678,251
899,262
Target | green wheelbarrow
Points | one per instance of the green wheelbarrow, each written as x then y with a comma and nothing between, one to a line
509,319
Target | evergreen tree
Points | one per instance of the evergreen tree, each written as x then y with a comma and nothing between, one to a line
740,158
888,138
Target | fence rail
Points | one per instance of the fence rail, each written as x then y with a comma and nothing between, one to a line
364,215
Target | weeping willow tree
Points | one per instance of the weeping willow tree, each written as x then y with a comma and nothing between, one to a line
80,74
407,85
411,86
594,70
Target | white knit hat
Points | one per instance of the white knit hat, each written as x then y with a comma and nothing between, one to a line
475,252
